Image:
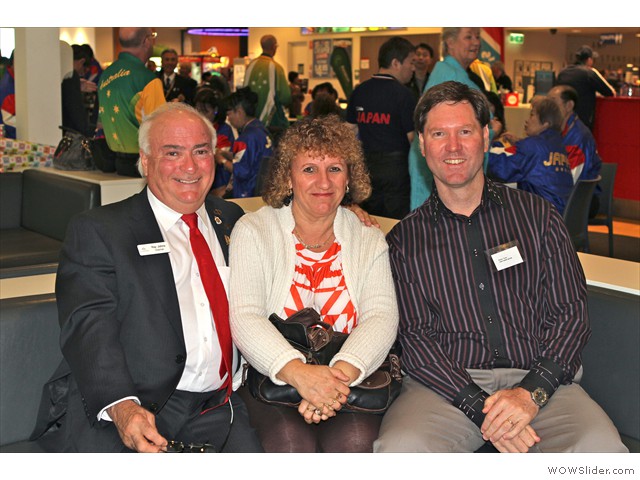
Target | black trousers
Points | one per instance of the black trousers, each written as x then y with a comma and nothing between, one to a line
181,419
390,182
109,161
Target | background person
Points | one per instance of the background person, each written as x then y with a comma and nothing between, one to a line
76,114
267,79
581,148
381,108
587,81
251,147
460,47
210,103
305,250
328,96
423,63
503,82
297,97
133,96
538,163
177,88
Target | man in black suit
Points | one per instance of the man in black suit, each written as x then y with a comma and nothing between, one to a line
143,352
176,87
184,71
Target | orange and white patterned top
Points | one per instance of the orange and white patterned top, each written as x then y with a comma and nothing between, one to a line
318,282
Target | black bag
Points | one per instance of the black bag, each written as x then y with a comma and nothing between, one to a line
319,343
74,152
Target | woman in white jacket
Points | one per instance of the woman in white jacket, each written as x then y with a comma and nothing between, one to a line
306,250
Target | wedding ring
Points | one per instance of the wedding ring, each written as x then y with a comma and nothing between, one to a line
509,420
318,412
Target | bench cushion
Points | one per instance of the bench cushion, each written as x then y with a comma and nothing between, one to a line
10,199
611,359
20,247
49,201
29,354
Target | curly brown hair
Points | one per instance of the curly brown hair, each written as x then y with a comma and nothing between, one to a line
325,136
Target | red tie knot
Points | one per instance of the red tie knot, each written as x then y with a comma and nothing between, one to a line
190,219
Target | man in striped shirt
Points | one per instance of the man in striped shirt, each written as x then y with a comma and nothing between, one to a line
493,306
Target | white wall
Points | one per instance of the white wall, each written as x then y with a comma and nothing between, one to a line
37,85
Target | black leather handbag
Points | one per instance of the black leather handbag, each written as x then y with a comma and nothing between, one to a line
74,152
319,343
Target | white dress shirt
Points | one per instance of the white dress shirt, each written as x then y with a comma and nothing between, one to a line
202,367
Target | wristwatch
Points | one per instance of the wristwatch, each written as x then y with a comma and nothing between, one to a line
540,396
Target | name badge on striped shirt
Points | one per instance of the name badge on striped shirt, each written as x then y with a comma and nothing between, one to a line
153,248
505,255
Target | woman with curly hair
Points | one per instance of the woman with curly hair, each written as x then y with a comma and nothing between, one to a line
305,249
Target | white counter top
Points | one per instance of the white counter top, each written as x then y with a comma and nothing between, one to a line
611,273
26,286
113,187
604,272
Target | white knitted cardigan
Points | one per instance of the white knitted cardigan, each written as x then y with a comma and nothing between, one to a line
262,259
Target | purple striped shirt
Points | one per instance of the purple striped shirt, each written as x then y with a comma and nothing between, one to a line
457,311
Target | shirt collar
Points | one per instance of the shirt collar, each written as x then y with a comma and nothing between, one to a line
384,76
490,194
168,217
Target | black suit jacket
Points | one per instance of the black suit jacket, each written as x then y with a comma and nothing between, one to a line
181,85
121,330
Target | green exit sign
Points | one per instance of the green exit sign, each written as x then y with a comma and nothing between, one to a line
517,38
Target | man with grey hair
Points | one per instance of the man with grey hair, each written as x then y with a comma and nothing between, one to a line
142,301
266,77
127,93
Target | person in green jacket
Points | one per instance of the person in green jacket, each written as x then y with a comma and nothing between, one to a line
267,79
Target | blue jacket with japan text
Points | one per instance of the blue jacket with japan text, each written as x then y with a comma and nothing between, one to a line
538,164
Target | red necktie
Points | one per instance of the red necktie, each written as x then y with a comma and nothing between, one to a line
215,293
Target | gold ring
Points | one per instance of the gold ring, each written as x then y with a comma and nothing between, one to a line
509,420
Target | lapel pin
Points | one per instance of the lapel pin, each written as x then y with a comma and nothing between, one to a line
227,239
217,220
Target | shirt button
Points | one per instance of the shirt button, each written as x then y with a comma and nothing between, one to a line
475,252
202,304
197,274
496,353
206,339
489,319
481,286
468,221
